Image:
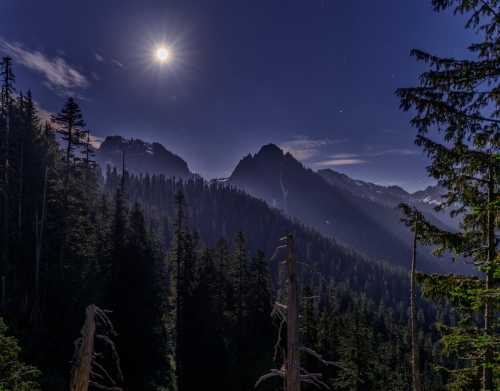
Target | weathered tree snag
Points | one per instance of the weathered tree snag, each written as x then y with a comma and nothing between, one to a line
80,376
86,371
290,371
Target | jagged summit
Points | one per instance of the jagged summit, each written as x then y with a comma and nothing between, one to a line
270,150
141,157
268,161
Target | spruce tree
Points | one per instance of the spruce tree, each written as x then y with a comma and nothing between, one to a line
69,124
457,101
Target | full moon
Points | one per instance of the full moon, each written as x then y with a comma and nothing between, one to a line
162,54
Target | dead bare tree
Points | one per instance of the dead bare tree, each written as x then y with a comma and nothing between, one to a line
86,370
291,371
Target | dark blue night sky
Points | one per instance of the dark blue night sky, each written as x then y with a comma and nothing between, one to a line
315,76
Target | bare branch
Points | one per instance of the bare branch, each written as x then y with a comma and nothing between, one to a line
272,373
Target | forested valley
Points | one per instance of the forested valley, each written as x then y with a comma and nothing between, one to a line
152,250
119,281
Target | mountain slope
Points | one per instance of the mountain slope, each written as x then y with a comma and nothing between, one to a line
218,211
391,196
361,223
141,157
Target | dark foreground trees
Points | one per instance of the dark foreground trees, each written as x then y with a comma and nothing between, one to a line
458,123
356,314
69,245
15,375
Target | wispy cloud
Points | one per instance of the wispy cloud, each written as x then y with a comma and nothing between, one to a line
98,57
344,155
305,148
339,162
59,76
324,152
349,159
396,152
117,63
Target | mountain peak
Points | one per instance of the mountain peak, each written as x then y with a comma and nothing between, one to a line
271,150
111,142
268,162
141,157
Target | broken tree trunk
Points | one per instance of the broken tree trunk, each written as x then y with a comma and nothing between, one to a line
80,374
86,371
291,371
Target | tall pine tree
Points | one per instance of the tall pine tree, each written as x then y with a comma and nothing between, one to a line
457,116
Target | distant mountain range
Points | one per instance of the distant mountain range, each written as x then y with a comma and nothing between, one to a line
361,215
391,196
141,157
286,184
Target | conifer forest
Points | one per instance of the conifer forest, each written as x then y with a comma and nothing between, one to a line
123,270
